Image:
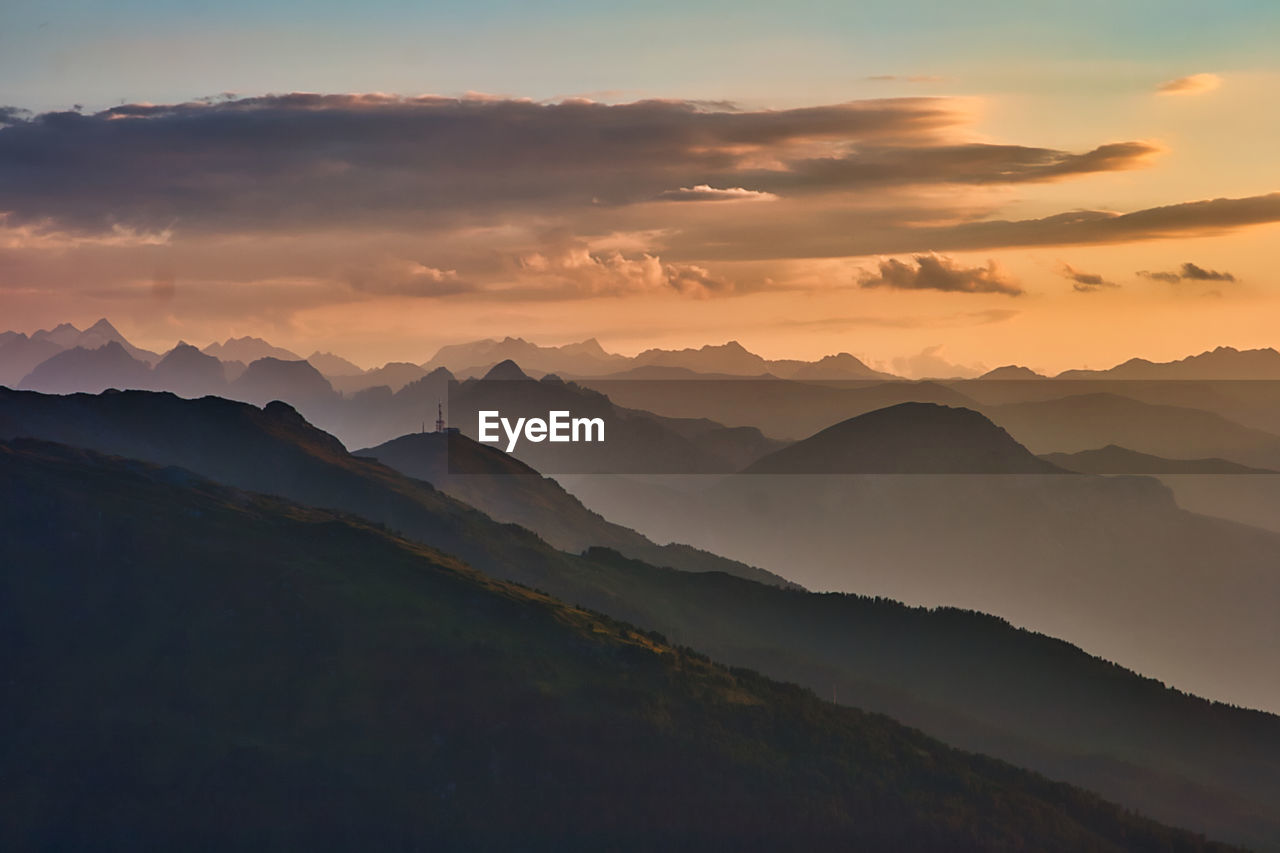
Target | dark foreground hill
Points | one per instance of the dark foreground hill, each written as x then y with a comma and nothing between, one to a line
191,666
970,679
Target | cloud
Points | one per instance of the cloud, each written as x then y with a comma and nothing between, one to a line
1193,84
935,272
299,161
1083,282
568,268
703,192
402,277
1188,272
928,364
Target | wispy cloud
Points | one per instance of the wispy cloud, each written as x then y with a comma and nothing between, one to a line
1188,272
1194,84
1085,282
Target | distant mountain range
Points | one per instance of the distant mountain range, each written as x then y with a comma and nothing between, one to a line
1114,459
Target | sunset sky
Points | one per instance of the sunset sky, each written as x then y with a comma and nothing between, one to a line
929,186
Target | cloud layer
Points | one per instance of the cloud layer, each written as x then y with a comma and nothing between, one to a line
934,272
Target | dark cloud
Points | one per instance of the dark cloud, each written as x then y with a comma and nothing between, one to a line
1084,282
934,272
297,161
1188,272
881,165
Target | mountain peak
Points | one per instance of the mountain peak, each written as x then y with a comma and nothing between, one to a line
505,370
909,438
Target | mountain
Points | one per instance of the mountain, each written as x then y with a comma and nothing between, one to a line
508,490
19,355
187,372
395,375
1011,371
1089,559
1220,363
779,408
63,335
248,350
635,442
102,332
333,365
473,359
909,438
329,684
273,379
730,357
505,371
832,367
1087,421
974,680
1114,459
89,370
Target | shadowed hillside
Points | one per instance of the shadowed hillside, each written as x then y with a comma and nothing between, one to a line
180,653
971,679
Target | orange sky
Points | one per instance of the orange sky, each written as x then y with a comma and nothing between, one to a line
942,226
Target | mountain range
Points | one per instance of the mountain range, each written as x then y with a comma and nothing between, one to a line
194,665
973,680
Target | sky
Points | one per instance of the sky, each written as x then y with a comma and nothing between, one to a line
935,188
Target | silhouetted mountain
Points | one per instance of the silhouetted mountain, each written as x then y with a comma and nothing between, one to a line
473,359
102,333
780,408
333,365
188,372
270,379
505,371
909,438
506,489
972,679
634,442
832,367
248,350
1220,363
89,370
1087,421
179,652
395,375
64,335
19,355
1011,371
730,357
1114,459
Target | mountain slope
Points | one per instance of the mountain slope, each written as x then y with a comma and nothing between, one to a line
1088,421
974,680
1219,363
185,652
89,370
909,438
508,490
1114,459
